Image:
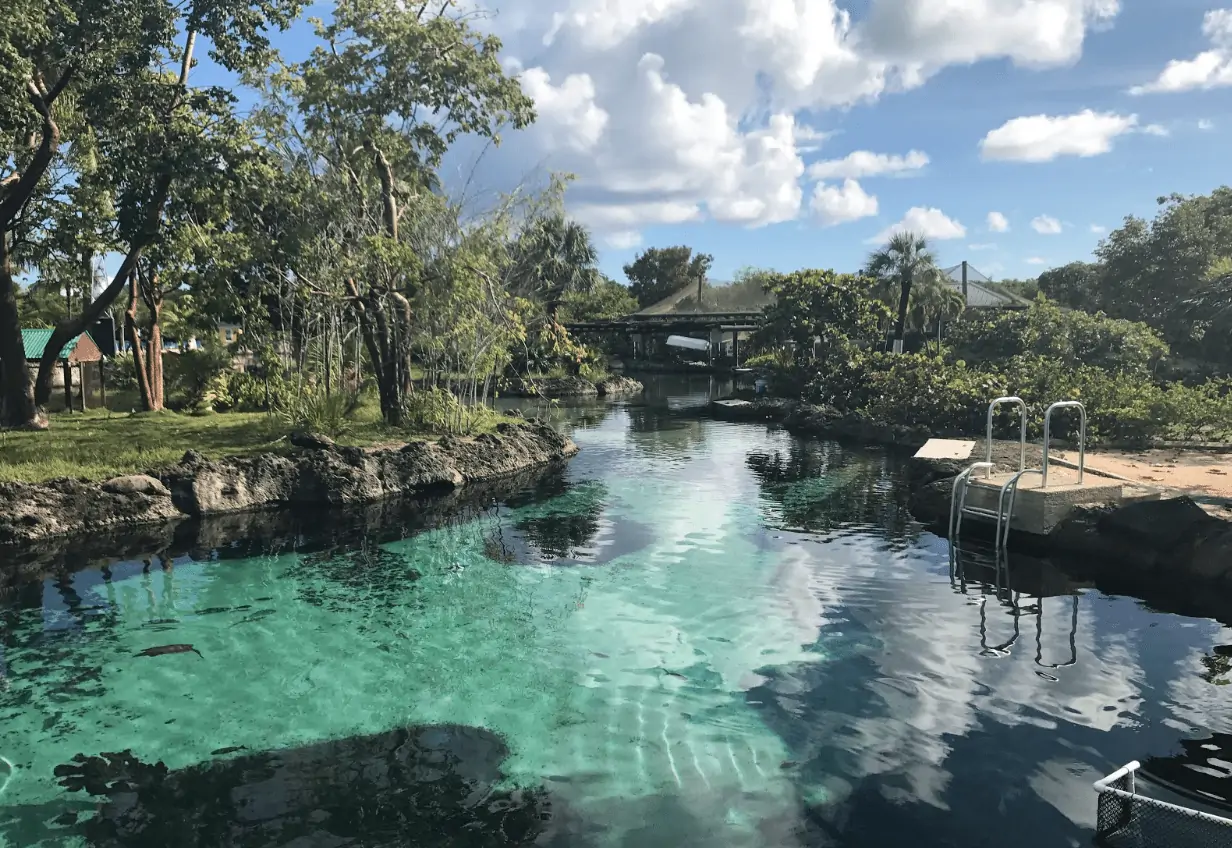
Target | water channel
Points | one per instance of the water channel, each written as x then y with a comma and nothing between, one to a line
696,634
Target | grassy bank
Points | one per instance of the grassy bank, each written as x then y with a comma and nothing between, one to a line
100,444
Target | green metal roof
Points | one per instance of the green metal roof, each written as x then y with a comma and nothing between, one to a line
35,342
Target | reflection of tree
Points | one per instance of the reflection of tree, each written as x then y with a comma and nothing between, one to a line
562,529
1217,665
424,785
820,487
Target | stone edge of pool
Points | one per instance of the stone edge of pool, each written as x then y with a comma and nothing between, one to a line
1168,539
317,474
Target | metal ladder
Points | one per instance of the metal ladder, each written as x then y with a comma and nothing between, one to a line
1005,500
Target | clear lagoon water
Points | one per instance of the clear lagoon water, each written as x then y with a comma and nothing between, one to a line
696,634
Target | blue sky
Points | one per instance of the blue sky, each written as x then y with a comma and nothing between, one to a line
696,121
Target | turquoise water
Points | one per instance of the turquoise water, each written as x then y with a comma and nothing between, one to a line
697,634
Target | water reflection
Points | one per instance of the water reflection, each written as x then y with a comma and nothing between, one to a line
770,653
421,785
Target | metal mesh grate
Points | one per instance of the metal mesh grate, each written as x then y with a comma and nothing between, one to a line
1125,819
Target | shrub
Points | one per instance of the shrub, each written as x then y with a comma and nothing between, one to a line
191,377
316,412
440,411
1066,335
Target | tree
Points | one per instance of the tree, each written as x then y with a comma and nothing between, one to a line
1149,270
816,316
553,258
361,126
93,74
658,272
905,259
607,299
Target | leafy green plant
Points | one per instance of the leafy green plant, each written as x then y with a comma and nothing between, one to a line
316,412
440,411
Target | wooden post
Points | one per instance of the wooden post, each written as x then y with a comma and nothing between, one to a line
81,388
102,385
68,387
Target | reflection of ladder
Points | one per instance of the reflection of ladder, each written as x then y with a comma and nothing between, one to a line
1007,598
1004,512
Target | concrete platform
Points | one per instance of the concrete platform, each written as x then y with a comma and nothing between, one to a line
1038,510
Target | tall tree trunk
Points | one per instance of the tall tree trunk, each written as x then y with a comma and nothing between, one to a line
134,341
899,325
151,292
17,399
69,329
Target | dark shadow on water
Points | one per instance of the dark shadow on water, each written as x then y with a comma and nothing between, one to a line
567,528
823,487
1202,771
426,785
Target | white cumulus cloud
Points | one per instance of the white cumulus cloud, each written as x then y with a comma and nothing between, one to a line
927,221
840,204
1042,138
1205,124
863,163
1209,69
982,246
569,110
1098,229
1036,260
997,223
708,105
1046,225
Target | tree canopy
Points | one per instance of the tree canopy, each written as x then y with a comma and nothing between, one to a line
658,272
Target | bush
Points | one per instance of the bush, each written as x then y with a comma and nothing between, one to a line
316,412
1046,330
192,377
440,411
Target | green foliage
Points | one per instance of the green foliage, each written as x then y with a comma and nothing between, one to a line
1072,336
904,263
192,376
312,410
440,411
606,299
552,259
817,317
1076,285
658,272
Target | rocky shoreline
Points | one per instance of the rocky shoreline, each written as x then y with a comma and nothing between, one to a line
316,474
563,387
1145,541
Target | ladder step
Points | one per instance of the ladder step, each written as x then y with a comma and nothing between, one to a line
981,511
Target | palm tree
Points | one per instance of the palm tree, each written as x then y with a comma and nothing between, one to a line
553,257
905,259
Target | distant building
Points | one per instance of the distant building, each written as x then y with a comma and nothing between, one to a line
980,291
229,333
72,375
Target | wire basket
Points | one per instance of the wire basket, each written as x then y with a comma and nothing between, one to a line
1125,819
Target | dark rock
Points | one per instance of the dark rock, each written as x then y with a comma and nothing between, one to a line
1159,525
549,387
312,441
619,385
199,487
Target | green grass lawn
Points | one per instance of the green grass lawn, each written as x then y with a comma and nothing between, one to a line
101,444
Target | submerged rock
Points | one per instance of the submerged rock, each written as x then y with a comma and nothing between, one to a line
318,477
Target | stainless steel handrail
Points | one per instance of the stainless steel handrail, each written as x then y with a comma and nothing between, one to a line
1022,438
1011,485
1082,436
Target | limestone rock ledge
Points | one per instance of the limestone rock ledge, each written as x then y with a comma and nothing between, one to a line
320,475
